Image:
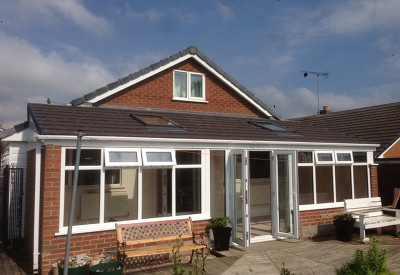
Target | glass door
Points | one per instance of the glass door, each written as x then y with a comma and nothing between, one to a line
285,195
240,189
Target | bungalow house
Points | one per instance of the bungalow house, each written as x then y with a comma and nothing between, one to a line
379,124
180,138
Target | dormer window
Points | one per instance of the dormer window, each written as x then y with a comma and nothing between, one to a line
189,86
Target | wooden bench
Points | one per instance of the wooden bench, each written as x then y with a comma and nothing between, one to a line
369,213
157,238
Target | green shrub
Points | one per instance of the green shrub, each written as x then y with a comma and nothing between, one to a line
219,222
374,262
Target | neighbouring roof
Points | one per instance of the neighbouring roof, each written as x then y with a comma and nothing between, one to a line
379,124
117,122
16,129
189,52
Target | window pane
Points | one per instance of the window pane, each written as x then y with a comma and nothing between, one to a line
157,193
305,157
324,156
196,84
343,183
360,157
188,191
188,157
343,156
324,179
360,181
159,157
123,156
120,202
87,202
306,185
180,85
217,183
89,157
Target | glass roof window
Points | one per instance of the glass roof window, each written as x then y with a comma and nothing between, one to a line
156,122
280,130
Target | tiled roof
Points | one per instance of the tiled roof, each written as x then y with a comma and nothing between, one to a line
379,124
117,122
192,50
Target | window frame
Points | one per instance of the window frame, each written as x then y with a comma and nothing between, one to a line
147,163
351,161
189,86
317,161
102,224
334,164
109,163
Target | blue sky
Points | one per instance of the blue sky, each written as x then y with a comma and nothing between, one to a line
64,49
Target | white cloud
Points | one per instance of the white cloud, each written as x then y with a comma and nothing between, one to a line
32,75
302,102
22,13
153,15
224,11
352,17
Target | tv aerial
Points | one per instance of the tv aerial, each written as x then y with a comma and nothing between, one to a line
318,74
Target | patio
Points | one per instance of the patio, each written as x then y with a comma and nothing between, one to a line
299,256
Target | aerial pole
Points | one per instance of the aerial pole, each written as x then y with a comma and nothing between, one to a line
318,74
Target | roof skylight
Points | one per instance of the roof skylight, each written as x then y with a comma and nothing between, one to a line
280,130
157,122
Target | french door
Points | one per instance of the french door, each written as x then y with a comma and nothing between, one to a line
240,190
284,195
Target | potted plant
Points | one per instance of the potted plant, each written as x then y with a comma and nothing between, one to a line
221,232
344,226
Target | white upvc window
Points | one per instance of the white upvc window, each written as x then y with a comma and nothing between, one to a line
158,157
189,86
324,157
122,157
343,157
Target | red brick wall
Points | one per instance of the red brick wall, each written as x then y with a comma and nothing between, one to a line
157,92
29,207
316,223
374,180
53,247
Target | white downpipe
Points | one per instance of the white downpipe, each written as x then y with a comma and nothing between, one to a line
36,210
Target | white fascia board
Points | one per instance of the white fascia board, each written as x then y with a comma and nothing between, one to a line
139,79
232,86
60,138
381,156
173,63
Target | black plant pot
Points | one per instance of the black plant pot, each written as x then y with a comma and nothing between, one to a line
222,238
344,230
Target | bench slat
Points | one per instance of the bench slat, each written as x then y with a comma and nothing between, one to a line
162,250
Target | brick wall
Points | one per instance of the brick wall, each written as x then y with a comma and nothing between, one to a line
157,92
53,247
374,180
394,151
316,223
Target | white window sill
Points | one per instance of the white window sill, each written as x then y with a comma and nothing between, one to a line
320,206
189,100
79,229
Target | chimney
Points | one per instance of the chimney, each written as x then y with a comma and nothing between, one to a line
325,111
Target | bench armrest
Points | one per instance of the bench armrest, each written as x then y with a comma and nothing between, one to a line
396,211
198,234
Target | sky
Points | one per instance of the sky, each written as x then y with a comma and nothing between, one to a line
63,50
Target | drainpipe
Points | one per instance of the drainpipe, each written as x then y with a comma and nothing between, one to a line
73,197
36,210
